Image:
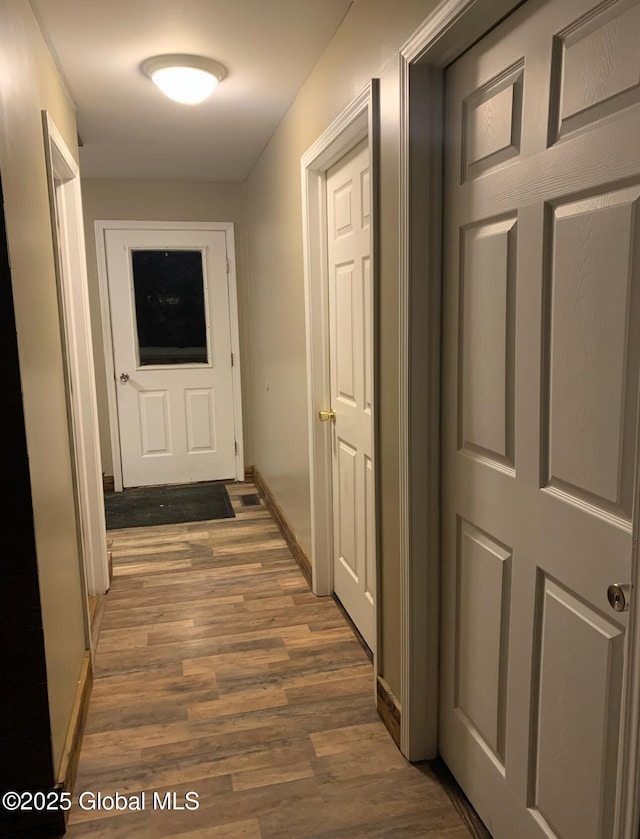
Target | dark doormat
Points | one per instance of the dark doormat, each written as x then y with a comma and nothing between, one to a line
167,505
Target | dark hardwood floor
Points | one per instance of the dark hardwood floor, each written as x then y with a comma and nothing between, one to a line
217,672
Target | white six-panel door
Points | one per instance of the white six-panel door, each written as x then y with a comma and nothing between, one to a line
351,353
540,420
176,415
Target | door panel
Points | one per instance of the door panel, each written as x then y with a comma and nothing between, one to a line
201,427
597,67
540,390
347,510
367,319
351,366
345,338
492,118
155,425
486,334
171,335
594,362
369,531
484,584
580,656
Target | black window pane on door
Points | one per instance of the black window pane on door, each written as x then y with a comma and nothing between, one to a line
170,307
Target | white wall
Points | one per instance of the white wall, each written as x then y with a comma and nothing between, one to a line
28,83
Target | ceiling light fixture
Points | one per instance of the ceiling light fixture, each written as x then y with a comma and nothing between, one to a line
185,78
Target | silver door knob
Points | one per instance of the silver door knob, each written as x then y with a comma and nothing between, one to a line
124,378
618,596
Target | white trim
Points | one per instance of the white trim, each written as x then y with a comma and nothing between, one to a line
451,29
345,132
107,340
445,34
227,227
235,349
419,389
448,31
409,686
71,267
628,826
352,126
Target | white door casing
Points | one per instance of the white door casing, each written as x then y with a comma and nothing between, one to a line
451,28
176,423
71,268
351,376
359,120
541,360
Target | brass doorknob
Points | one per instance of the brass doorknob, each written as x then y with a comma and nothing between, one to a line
327,415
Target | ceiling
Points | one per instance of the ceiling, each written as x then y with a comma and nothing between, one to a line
130,129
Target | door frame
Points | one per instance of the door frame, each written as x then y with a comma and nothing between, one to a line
446,33
358,121
101,229
65,200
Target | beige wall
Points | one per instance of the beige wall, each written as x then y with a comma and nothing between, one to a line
365,46
28,83
151,200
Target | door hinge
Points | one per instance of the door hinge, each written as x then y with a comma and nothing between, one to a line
235,445
227,265
233,361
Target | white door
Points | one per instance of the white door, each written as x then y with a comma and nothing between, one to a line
541,344
351,354
172,352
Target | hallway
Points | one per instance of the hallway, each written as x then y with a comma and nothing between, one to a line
219,673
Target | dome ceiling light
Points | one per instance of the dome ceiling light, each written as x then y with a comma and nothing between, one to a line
184,78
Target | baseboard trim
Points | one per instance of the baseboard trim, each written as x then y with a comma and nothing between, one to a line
96,620
108,483
71,753
288,533
389,709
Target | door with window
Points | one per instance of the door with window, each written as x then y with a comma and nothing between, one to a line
171,330
541,358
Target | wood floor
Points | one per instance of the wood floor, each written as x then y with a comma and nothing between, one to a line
218,672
